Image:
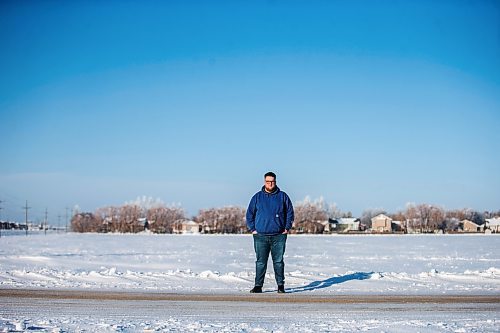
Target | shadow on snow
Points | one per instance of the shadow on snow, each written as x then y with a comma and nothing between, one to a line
331,281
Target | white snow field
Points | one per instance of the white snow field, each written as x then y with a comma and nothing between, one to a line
316,266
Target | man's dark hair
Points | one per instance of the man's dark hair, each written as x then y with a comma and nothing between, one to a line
270,174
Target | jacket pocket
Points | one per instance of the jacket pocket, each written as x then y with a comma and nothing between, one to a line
279,220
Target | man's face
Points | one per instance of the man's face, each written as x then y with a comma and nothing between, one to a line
269,183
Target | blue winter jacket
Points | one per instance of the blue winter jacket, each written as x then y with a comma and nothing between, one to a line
270,213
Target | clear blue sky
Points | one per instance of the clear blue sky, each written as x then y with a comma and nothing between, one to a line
370,104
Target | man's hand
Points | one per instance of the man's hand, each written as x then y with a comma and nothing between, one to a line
254,232
285,232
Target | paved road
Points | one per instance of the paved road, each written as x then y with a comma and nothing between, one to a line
263,298
104,311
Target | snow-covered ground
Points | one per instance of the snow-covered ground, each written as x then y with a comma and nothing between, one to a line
224,264
451,264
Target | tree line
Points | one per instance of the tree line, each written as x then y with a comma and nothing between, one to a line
133,218
311,216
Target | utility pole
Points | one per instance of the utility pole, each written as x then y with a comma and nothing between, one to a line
26,208
1,223
45,223
66,229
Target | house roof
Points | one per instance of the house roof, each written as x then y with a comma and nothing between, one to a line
381,216
344,220
468,221
493,222
348,220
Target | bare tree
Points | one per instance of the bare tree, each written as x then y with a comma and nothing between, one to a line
129,216
436,219
333,212
492,214
309,215
347,214
399,216
468,214
85,222
457,214
425,217
110,218
229,219
208,220
476,217
450,224
162,218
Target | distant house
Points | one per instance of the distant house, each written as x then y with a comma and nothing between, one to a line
189,227
309,227
382,223
326,226
205,228
469,226
145,223
344,224
493,224
398,226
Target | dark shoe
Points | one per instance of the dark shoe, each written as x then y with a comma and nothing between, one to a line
281,290
256,290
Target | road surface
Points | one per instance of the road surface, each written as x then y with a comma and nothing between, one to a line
493,300
104,311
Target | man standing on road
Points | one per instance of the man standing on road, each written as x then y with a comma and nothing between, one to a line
269,218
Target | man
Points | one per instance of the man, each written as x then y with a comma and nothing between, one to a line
269,218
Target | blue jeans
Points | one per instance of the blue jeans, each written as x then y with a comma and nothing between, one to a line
274,244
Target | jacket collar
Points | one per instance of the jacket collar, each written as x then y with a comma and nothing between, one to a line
276,190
